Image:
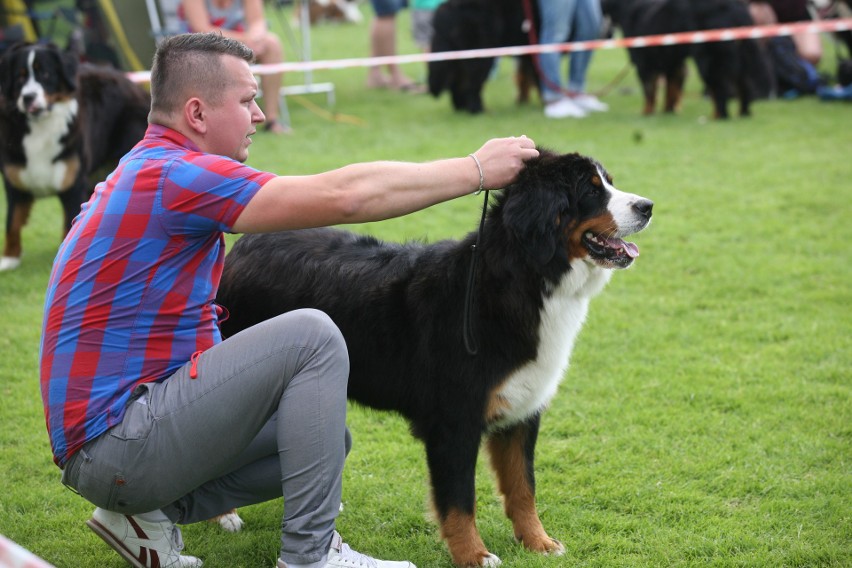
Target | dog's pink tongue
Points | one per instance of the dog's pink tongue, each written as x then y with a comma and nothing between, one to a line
629,248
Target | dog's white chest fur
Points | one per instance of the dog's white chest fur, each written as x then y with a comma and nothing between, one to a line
529,389
42,176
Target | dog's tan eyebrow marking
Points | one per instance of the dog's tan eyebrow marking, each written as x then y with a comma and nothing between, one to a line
596,180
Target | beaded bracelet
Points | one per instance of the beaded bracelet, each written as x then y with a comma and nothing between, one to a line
481,174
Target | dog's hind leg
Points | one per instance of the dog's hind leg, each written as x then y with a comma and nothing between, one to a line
525,79
71,200
512,457
675,81
649,90
18,207
452,467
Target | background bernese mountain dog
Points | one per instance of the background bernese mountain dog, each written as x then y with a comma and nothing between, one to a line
60,123
729,69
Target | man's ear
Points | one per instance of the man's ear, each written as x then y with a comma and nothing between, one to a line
195,114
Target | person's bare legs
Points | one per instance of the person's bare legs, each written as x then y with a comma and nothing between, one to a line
382,44
809,46
272,53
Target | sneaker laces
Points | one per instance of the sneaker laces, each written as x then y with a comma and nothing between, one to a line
177,538
346,553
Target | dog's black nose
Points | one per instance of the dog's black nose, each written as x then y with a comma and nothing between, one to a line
644,207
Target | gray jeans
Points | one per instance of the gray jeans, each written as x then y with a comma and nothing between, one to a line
265,417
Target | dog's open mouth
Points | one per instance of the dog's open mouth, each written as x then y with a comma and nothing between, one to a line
36,109
610,251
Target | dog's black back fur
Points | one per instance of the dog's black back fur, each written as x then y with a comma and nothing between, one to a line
113,116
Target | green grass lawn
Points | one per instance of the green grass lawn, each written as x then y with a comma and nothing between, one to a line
706,418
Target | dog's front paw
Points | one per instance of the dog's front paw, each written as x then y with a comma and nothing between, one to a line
556,548
543,544
476,559
231,522
9,263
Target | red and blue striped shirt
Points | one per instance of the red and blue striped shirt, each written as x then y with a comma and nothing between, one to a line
131,294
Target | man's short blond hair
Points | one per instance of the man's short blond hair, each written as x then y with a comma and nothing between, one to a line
189,65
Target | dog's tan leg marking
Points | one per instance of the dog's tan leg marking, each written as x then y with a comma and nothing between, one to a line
507,459
673,96
496,407
20,216
72,170
14,175
523,86
650,90
674,91
463,540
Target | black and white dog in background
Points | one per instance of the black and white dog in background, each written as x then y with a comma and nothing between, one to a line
59,123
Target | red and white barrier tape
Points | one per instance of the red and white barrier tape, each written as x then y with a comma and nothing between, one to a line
13,555
705,36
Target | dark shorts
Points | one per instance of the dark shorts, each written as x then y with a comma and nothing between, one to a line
388,7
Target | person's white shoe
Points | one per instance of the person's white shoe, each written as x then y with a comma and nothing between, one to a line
341,556
563,108
142,543
590,103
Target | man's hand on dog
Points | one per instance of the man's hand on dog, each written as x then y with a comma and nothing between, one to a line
503,158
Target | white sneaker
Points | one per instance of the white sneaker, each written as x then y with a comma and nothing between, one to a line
341,556
143,543
563,108
590,103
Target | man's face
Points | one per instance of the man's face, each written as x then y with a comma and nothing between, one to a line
234,120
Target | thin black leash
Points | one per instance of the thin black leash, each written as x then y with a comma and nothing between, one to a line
469,298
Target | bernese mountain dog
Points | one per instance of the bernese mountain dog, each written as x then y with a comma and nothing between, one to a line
60,123
549,243
729,69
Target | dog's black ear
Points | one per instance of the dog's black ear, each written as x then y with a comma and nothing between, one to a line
7,73
533,209
6,78
68,69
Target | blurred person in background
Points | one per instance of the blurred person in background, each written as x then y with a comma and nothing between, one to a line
244,21
561,21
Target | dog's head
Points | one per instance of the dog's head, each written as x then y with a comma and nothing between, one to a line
33,77
564,208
